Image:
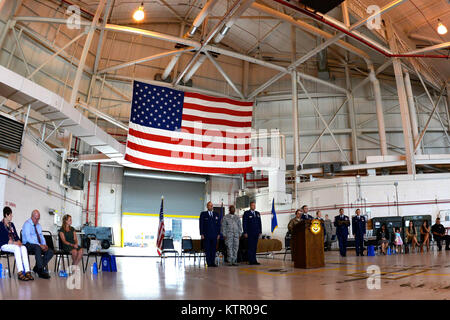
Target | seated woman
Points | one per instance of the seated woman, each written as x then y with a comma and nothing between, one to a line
425,235
383,237
411,235
70,241
9,242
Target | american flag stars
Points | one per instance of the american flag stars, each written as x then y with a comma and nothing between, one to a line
157,107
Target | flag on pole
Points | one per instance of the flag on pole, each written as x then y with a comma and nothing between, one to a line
161,229
274,217
190,132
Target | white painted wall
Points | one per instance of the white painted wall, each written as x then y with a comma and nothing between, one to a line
110,198
34,162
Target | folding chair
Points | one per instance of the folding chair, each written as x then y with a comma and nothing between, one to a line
287,245
168,247
7,255
187,247
96,254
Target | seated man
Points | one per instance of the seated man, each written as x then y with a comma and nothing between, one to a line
438,232
34,241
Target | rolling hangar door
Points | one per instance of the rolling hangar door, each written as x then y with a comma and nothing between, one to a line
141,203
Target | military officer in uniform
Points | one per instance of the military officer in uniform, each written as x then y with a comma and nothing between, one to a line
329,232
231,231
294,220
252,231
210,233
359,230
305,215
342,222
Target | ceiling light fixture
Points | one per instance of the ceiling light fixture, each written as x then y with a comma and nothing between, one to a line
138,15
441,29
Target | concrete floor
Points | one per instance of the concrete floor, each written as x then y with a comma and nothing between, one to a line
413,276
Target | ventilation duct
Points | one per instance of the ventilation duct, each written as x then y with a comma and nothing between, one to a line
11,132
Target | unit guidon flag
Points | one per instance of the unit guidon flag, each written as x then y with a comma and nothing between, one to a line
190,132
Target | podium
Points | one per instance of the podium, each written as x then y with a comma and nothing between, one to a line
307,244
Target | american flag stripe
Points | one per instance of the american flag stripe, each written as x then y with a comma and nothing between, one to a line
218,133
187,135
206,120
214,109
207,161
185,154
218,100
207,115
189,146
214,127
183,131
186,168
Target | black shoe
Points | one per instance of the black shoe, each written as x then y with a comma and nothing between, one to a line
362,254
35,269
447,248
235,264
213,266
44,275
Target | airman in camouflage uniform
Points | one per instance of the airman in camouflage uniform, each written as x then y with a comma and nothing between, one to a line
231,230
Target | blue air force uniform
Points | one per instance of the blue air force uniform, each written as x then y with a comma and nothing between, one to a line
251,223
210,229
341,223
306,216
359,230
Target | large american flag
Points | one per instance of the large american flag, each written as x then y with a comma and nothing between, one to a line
161,229
184,131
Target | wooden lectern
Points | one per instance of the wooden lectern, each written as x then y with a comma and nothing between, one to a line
307,244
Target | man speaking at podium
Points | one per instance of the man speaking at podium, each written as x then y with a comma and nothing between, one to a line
341,222
251,223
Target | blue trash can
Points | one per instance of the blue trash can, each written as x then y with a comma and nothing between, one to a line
371,251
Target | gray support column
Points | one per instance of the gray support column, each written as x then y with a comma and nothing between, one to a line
404,109
352,117
447,107
296,150
16,7
245,77
379,109
87,45
412,110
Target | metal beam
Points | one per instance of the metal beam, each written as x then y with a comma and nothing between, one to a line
223,73
87,45
323,132
142,60
404,109
208,38
309,28
352,117
379,108
412,111
296,149
431,48
429,119
323,120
